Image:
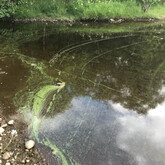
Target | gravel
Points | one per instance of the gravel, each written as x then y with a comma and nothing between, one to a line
15,148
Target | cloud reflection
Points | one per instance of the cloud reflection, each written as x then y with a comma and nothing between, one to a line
143,136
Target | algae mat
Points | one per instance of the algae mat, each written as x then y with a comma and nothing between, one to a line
38,99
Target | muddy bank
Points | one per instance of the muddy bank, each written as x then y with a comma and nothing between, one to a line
12,145
84,20
120,20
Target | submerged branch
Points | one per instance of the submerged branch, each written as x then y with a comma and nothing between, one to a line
86,43
96,84
122,47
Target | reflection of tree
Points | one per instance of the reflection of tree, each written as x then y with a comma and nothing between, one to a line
128,74
132,76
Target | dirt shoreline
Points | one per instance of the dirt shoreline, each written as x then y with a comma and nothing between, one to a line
12,145
90,20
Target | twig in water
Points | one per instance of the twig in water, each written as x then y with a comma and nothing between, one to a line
122,47
71,45
86,43
96,84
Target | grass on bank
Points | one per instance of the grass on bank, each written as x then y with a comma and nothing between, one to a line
76,9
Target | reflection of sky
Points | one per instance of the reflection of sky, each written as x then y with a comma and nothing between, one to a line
92,132
143,137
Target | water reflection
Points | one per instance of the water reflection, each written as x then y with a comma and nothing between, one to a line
131,76
143,136
111,109
86,133
91,132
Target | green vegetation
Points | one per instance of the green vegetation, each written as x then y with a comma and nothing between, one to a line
146,4
82,9
7,9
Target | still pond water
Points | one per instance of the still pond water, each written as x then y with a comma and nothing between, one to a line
94,94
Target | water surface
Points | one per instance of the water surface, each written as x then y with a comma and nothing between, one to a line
110,110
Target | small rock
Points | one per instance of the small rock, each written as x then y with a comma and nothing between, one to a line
6,155
112,20
4,125
23,161
8,163
35,151
1,130
27,161
11,153
29,144
11,122
120,20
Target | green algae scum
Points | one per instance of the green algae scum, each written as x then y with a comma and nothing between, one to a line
93,95
39,106
41,96
37,102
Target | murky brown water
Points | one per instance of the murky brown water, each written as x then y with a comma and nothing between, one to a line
111,110
13,76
